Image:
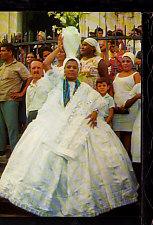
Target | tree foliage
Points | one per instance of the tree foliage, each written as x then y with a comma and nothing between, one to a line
67,18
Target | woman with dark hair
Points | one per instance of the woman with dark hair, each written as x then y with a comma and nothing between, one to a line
123,84
29,58
102,43
115,59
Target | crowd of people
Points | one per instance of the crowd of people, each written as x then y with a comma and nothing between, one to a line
80,118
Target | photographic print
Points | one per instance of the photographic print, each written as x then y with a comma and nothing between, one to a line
72,141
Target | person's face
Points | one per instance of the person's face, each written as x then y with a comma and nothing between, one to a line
127,64
45,54
29,58
61,56
36,69
114,48
133,32
101,44
18,37
39,37
86,49
100,34
102,88
5,54
120,41
71,70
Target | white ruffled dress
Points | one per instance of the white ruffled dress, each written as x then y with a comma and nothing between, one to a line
136,132
62,167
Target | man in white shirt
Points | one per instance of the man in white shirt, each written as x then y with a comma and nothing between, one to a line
37,91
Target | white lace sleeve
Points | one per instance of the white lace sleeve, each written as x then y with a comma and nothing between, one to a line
53,76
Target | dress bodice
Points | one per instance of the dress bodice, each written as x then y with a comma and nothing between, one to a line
122,87
89,70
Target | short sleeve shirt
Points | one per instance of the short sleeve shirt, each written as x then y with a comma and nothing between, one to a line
109,104
37,94
11,78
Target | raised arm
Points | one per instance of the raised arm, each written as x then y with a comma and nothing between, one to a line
50,58
102,69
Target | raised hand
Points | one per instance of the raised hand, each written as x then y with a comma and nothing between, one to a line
60,42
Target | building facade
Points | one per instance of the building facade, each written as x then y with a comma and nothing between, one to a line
13,22
10,23
108,20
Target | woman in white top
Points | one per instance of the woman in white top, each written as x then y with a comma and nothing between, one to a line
123,84
136,132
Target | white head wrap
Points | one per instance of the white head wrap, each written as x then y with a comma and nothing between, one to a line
94,43
130,55
71,58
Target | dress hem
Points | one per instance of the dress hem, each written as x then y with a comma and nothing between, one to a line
34,211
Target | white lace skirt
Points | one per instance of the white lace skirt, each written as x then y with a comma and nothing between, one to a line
97,180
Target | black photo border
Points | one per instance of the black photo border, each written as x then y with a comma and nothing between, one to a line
147,85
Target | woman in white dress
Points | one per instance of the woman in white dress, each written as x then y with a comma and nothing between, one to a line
63,167
122,85
136,131
135,97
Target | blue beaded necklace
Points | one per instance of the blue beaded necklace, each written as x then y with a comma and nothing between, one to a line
66,90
